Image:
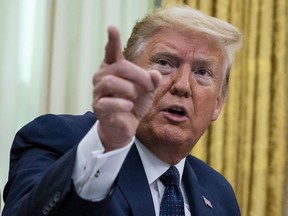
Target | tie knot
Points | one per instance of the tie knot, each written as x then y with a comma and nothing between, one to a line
170,177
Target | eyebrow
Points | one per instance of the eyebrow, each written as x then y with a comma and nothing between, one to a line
165,54
207,61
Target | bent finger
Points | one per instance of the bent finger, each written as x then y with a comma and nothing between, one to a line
114,86
108,105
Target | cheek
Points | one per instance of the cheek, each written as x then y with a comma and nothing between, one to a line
205,102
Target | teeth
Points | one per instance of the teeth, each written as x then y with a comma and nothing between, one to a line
177,109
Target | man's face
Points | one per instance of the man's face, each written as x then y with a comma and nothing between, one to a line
189,96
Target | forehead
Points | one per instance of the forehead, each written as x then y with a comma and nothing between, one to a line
185,43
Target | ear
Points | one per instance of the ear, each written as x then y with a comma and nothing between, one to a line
218,107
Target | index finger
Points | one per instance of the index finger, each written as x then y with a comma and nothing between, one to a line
113,51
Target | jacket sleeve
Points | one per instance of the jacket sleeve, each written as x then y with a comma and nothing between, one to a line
41,164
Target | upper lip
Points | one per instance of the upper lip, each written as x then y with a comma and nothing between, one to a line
177,108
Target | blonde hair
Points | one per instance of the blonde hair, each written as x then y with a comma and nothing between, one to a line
184,17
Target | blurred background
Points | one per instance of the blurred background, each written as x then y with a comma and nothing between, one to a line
49,50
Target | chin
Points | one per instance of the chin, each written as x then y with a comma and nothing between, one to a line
154,130
172,134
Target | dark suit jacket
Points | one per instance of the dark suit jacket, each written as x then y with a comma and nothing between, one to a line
41,165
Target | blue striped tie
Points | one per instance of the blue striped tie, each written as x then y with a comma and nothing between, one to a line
172,203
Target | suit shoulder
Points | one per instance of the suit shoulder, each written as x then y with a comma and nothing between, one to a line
52,122
52,119
206,174
63,131
217,185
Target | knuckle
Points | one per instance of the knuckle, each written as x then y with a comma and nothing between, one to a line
122,65
98,75
95,78
132,93
107,81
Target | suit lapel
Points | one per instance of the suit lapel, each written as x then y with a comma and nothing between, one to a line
134,185
200,201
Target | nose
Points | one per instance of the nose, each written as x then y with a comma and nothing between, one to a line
180,83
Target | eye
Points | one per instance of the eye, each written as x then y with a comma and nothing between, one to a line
163,65
163,62
204,76
203,72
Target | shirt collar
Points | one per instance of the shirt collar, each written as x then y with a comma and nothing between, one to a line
153,166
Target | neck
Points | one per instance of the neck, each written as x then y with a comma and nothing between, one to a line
168,152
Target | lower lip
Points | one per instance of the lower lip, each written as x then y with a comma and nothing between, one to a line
174,117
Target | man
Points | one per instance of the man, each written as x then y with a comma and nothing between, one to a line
151,105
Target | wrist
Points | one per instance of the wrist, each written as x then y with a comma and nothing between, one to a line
112,142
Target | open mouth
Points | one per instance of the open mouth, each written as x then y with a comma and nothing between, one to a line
176,111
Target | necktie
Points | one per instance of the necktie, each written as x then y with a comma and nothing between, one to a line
172,203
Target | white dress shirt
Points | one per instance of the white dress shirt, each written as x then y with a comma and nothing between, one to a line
95,171
154,168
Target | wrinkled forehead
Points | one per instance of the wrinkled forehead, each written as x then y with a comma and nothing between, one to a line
190,33
184,40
